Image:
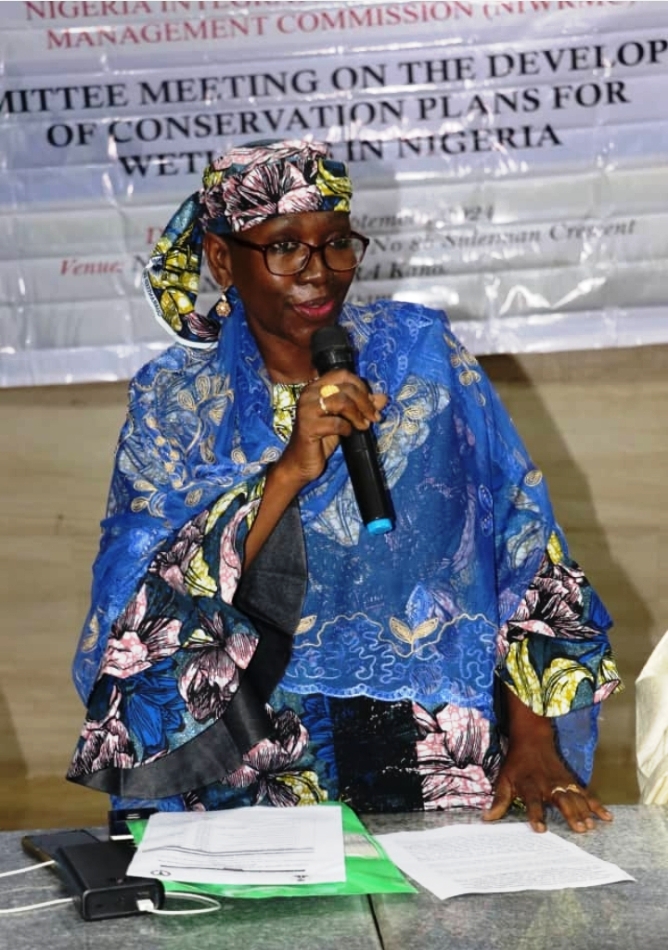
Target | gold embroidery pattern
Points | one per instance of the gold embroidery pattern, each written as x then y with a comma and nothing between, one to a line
533,478
199,411
462,360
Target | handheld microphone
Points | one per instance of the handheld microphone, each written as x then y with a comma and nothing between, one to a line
330,349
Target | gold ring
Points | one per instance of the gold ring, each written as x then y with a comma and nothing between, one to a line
574,788
331,389
559,789
323,406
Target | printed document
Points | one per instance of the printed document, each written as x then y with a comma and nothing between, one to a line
484,859
244,846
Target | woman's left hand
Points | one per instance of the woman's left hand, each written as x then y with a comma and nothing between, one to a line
534,774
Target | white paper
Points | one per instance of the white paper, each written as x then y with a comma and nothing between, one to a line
485,859
244,846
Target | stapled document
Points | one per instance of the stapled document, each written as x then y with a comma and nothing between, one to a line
243,846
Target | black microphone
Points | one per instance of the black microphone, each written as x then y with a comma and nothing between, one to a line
330,349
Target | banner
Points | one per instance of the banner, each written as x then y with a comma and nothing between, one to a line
509,161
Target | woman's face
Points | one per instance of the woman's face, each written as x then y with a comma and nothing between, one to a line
284,312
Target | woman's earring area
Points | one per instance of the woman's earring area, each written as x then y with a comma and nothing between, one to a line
223,308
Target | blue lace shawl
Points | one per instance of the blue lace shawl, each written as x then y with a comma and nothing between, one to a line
411,614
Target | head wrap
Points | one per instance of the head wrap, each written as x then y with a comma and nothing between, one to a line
240,189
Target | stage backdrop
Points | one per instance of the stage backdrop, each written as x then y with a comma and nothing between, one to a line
510,160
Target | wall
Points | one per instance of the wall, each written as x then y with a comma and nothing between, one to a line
595,421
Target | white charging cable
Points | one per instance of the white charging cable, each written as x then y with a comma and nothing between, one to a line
31,867
20,910
148,907
144,906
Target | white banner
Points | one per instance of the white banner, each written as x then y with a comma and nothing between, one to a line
510,161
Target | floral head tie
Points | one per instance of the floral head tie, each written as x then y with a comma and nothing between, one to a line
240,189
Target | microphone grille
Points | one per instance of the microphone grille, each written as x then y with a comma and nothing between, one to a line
328,338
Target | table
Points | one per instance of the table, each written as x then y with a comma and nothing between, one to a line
328,923
622,916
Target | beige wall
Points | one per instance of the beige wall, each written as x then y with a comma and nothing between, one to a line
596,422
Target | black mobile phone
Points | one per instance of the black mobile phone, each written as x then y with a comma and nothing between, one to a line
43,845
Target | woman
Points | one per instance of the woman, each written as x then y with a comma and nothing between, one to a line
249,641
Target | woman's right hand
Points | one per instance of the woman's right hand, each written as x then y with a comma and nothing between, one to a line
316,433
322,420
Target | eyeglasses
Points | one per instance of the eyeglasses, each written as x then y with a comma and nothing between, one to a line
286,258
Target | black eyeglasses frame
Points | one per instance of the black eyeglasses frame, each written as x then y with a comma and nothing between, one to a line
312,248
